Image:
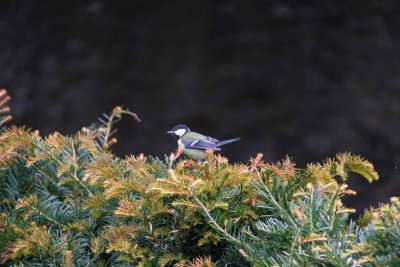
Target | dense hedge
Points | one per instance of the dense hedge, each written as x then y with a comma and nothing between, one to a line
67,201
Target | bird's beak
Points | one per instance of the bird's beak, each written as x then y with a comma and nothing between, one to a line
170,132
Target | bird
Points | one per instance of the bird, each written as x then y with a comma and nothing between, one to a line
194,145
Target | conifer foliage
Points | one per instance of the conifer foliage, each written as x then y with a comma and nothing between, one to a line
68,201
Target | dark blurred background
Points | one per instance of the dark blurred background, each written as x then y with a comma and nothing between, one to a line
289,77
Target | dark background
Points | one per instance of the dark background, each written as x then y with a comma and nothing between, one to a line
289,77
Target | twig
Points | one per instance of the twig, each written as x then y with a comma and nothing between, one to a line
272,198
215,224
117,112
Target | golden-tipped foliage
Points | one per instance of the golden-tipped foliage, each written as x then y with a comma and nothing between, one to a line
344,164
14,139
379,244
71,202
202,262
5,117
36,244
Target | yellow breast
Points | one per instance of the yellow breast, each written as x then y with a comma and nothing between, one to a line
194,154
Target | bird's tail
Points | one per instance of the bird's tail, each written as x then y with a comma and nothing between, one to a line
224,142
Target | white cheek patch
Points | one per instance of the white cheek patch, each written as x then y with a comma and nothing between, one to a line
180,132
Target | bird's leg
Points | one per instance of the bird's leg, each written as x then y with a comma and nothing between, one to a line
174,156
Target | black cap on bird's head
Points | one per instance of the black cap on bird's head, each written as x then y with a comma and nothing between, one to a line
179,130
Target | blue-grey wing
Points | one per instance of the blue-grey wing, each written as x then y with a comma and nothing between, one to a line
202,144
212,139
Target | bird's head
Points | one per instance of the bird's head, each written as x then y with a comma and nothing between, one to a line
178,131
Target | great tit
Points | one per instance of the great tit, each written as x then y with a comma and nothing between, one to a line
193,144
